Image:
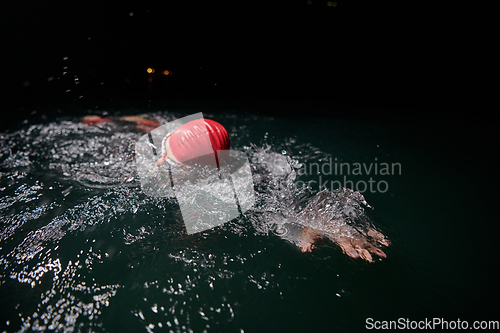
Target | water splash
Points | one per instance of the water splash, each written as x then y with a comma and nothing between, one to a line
77,231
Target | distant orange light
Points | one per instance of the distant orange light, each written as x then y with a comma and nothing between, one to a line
331,4
165,72
150,70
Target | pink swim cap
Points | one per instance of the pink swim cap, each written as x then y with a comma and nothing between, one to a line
198,142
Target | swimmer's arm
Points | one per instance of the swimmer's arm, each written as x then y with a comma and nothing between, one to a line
301,236
142,124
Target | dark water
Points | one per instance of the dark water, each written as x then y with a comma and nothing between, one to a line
82,248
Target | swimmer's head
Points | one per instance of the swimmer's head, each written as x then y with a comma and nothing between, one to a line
196,142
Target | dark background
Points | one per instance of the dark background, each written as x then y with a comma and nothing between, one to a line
417,68
393,58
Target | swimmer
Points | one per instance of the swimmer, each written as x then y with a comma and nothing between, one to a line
361,241
142,123
323,218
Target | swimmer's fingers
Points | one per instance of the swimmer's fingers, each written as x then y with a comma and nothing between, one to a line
365,254
359,248
306,247
378,237
364,247
347,248
375,250
380,253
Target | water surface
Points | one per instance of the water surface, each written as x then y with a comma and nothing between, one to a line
83,248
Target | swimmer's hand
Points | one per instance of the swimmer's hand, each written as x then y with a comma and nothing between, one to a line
143,124
93,120
327,216
352,242
357,245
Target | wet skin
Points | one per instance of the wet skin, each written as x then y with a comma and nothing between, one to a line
356,236
355,246
354,243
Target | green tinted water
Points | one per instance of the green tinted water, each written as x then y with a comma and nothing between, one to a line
82,250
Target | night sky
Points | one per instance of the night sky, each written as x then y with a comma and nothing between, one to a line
83,54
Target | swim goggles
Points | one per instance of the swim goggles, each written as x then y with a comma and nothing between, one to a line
164,149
